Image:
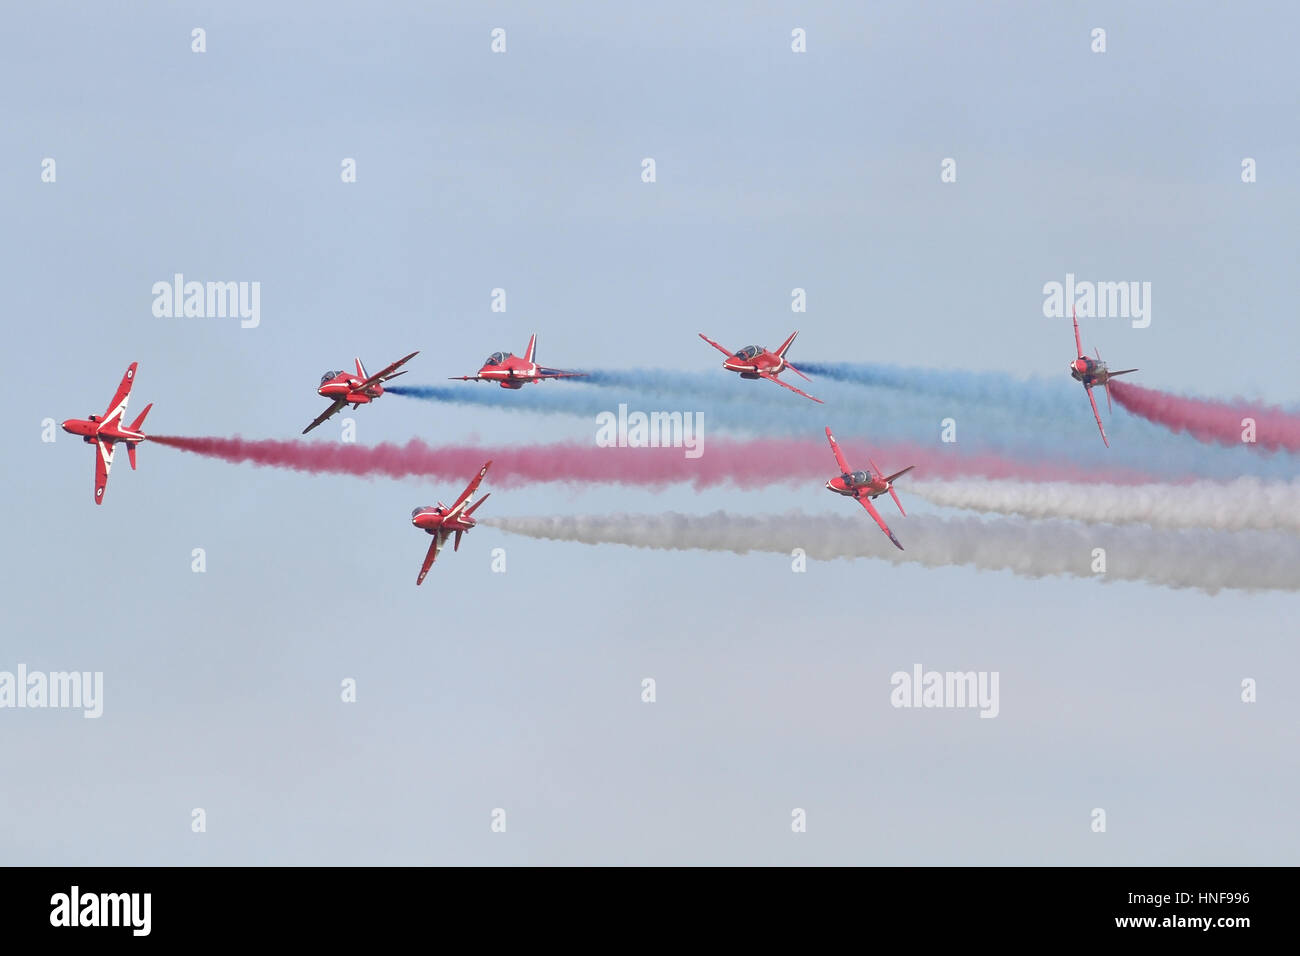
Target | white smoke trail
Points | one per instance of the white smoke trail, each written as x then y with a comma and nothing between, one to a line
1246,504
1208,560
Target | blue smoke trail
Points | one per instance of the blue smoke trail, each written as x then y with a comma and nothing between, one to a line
544,398
1053,421
1030,419
1039,395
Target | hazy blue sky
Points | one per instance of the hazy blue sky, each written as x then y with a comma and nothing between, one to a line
522,690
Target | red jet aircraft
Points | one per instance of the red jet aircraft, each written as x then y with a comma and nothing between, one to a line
440,521
511,371
1092,372
865,485
105,432
344,388
754,361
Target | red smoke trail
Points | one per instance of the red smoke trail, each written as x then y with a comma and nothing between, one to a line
744,464
1207,421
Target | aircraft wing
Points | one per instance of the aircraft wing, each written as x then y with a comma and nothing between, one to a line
543,372
773,378
871,510
467,493
434,547
388,372
332,410
716,345
839,455
1078,343
103,462
466,378
117,407
1092,401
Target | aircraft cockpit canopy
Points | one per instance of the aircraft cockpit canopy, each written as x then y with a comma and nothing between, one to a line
861,477
749,352
496,358
329,375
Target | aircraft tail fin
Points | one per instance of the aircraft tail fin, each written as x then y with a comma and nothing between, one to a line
780,352
361,371
889,480
130,454
470,509
135,425
530,353
900,474
456,545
